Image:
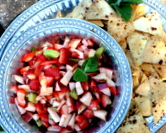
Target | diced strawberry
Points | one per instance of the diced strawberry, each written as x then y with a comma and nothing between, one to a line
85,85
13,89
64,55
74,43
41,57
52,72
41,109
24,69
21,98
49,80
82,121
31,76
88,113
38,70
94,105
105,100
64,109
90,42
12,99
50,62
113,90
28,57
94,87
58,46
34,85
63,130
75,54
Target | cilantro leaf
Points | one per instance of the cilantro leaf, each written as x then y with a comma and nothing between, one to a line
80,75
125,10
111,1
132,1
90,65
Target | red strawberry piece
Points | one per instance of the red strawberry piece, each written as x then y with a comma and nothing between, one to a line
75,54
12,100
41,57
88,113
21,98
31,76
63,130
94,105
41,109
52,72
28,57
113,90
105,100
64,56
50,62
85,85
13,89
90,42
82,121
94,87
38,70
64,109
34,85
24,69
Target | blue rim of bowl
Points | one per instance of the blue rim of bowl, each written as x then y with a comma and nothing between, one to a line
125,99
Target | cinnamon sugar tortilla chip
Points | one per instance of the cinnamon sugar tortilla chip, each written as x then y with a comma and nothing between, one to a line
144,89
150,23
149,70
155,51
158,89
97,22
99,9
136,74
119,28
138,11
161,70
134,122
144,105
59,14
80,9
137,43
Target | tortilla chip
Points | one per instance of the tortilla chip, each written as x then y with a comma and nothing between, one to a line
137,42
144,105
119,28
59,14
138,11
134,122
158,89
123,44
136,74
150,23
97,22
149,70
129,57
99,9
80,9
144,89
155,51
161,70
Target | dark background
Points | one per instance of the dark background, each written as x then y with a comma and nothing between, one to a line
1,30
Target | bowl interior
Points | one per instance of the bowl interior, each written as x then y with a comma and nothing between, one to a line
12,54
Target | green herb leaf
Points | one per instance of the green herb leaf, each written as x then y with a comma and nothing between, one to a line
80,75
132,1
111,1
90,65
33,49
118,2
125,10
49,54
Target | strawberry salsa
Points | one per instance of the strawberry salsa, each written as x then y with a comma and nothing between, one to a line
64,84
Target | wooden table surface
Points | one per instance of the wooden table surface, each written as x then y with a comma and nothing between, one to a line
163,129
